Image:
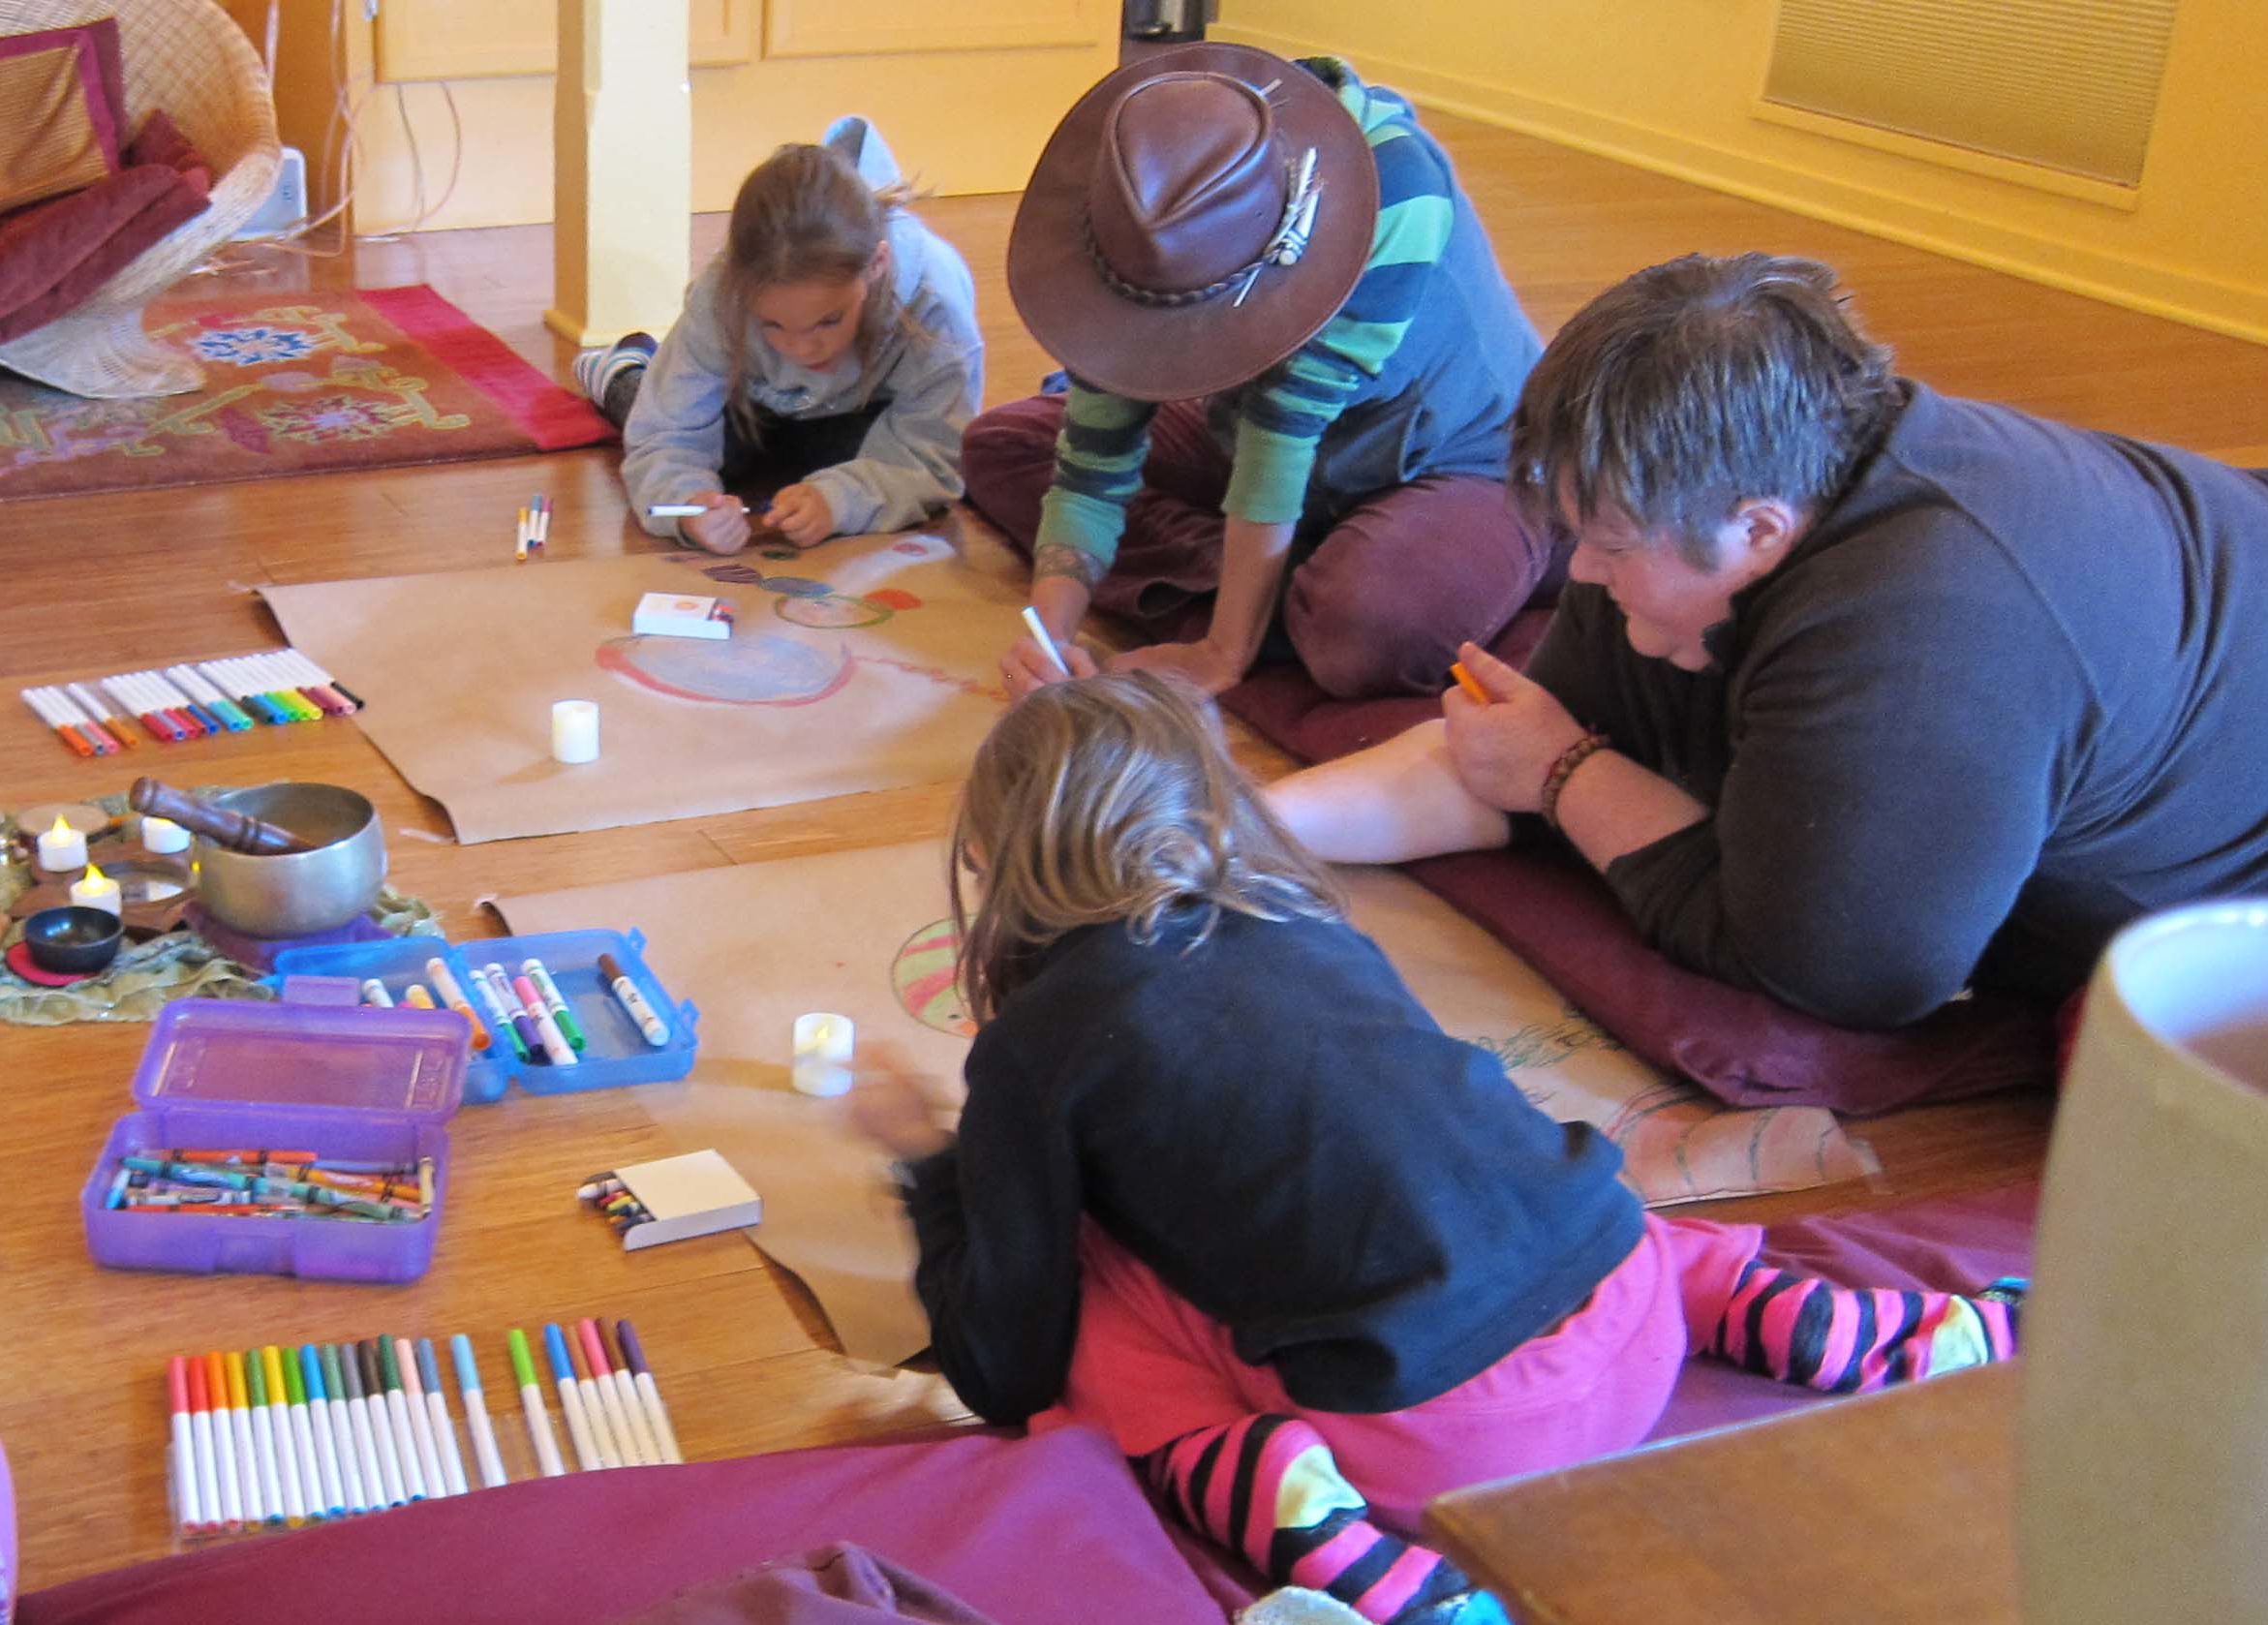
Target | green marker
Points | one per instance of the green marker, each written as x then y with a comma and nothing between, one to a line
523,1367
533,970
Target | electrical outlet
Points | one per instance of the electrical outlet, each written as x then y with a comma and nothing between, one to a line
287,205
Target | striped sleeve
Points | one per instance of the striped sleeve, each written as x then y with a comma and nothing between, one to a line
1286,414
1100,454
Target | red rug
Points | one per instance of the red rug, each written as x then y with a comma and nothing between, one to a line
296,383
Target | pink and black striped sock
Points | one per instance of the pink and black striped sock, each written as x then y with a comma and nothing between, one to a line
1842,1341
1266,1486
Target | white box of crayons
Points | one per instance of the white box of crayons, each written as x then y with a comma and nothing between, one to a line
681,615
675,1199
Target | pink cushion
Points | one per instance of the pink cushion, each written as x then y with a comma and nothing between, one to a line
1556,914
1021,1530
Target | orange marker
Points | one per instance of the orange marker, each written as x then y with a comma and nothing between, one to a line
1466,680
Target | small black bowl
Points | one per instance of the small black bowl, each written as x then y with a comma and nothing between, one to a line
73,942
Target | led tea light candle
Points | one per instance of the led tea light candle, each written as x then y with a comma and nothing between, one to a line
62,848
96,890
574,731
163,837
822,1054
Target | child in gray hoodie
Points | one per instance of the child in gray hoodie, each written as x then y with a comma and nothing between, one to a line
825,365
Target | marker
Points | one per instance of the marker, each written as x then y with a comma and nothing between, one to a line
264,1371
556,1049
1470,684
374,993
437,1415
649,1392
200,1433
570,1402
255,1502
318,1471
326,1383
379,1356
543,536
533,970
417,998
679,511
454,997
412,1389
492,1473
1039,635
532,1409
216,1387
523,1019
263,1440
610,1448
188,1510
115,725
520,540
627,1420
632,1002
500,1018
44,708
334,1438
373,1442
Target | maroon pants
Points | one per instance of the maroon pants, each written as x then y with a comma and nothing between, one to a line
1378,605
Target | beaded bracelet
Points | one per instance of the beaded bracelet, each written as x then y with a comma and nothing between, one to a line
1562,770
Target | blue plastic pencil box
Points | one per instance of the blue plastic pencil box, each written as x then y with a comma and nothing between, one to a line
614,1053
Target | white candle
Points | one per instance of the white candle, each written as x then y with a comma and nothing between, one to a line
822,1054
62,848
163,835
574,731
95,889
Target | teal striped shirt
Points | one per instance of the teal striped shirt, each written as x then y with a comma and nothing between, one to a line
1105,438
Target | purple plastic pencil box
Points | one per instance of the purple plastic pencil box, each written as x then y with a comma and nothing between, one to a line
342,1081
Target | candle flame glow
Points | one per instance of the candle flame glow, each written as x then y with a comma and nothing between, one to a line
94,876
62,830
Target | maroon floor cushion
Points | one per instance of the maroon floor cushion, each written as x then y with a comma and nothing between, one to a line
1549,907
1024,1531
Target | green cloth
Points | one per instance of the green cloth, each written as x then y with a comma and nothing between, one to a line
146,976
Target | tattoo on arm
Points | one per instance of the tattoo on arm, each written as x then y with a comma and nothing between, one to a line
1058,558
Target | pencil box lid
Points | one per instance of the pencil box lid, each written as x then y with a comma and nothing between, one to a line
408,1064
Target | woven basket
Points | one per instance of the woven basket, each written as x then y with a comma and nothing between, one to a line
189,58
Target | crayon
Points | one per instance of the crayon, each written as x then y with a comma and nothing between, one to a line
1470,684
649,1392
632,1002
484,1451
532,1409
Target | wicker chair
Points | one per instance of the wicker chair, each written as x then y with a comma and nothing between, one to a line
189,58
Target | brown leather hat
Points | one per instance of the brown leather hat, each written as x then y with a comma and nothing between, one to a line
1195,219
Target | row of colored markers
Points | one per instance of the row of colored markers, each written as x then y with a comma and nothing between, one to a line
280,1437
190,701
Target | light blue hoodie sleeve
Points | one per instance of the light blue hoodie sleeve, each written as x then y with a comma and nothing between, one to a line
909,462
674,442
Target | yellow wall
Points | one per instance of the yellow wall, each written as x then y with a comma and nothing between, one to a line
963,119
1672,86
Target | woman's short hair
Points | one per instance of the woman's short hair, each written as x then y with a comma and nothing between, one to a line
1695,385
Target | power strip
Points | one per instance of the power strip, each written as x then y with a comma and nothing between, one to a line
285,205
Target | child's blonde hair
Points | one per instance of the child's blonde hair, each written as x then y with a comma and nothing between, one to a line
1113,799
803,215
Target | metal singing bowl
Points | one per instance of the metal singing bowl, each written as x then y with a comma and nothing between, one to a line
296,894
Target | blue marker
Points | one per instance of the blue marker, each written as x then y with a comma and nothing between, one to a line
484,1452
326,1416
588,1455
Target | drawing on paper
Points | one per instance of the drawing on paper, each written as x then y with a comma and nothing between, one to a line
923,976
759,668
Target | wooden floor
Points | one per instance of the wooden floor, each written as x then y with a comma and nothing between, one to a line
114,582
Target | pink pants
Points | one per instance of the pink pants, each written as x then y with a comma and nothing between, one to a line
1148,1368
1377,605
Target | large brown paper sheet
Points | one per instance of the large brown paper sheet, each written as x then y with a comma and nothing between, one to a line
867,663
864,934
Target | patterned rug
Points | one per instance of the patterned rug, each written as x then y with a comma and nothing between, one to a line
296,383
